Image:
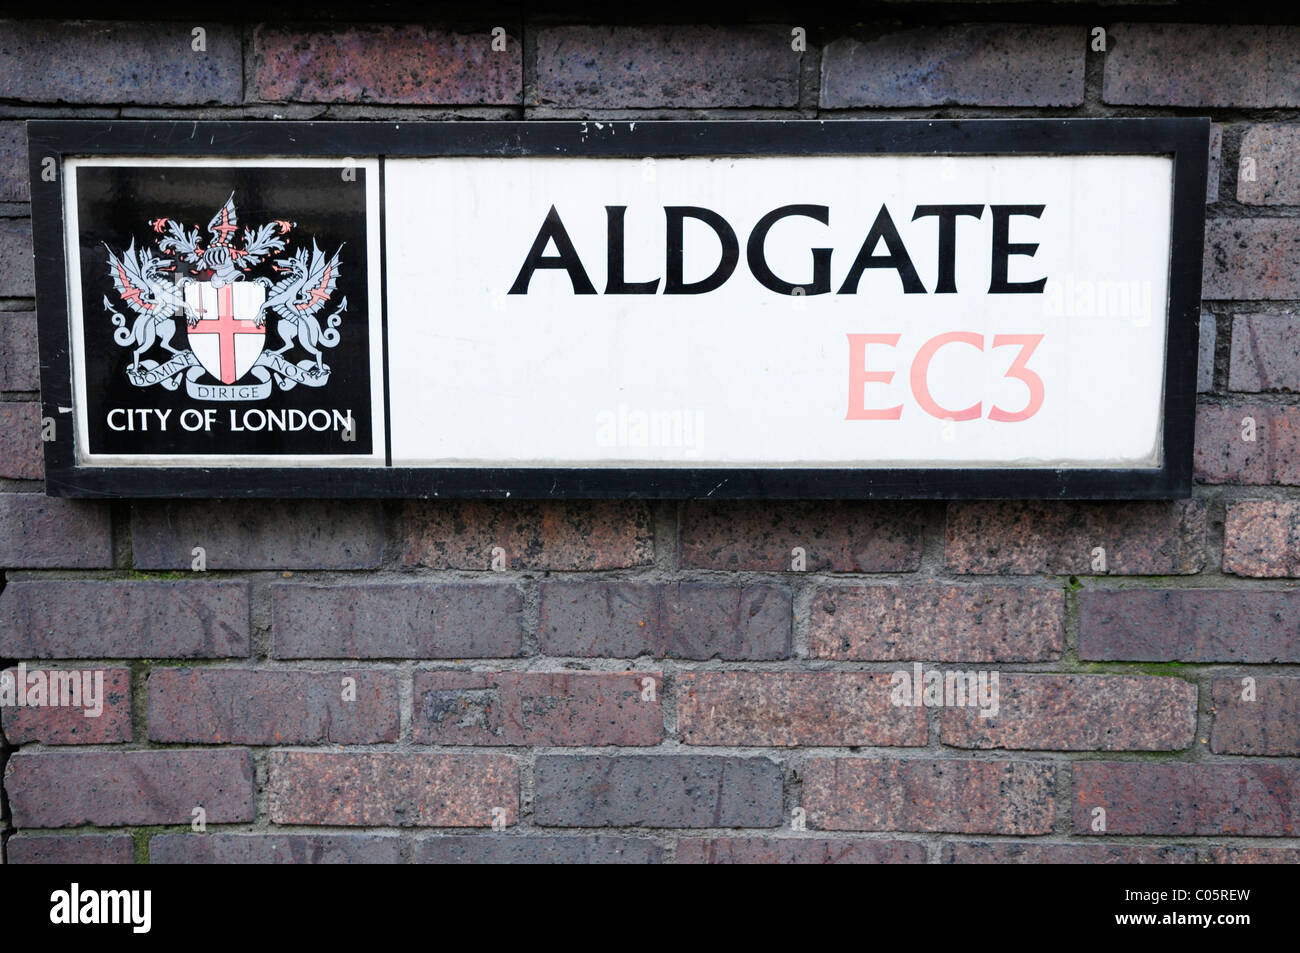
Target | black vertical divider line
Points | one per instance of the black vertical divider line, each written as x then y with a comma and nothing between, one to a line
383,313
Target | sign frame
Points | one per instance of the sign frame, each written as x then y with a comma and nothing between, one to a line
1183,139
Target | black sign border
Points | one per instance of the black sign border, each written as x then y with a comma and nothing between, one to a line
1185,139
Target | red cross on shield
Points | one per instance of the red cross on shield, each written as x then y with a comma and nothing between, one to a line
226,340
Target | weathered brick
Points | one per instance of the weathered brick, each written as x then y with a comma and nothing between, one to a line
1189,625
656,791
218,848
42,532
22,457
1224,455
1053,537
248,707
675,619
259,534
13,168
1078,713
972,64
537,708
97,61
79,849
650,66
49,618
797,850
1005,852
1265,353
1167,64
397,789
1262,538
535,849
1269,173
1248,798
1252,258
943,623
67,724
1214,170
972,797
1252,855
403,620
794,708
834,537
115,788
534,535
19,361
1267,724
409,65
17,279
1205,358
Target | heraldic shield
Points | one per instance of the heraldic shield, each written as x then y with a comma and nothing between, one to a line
224,332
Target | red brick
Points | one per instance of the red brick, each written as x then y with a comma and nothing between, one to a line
1265,353
1262,538
943,623
13,173
68,725
391,789
797,850
535,849
676,619
17,279
1223,455
405,620
19,363
408,65
79,849
1255,799
1267,725
794,708
972,64
1058,538
221,848
1009,852
655,66
249,707
42,532
1079,713
116,788
22,456
1189,625
537,708
543,535
1160,64
1252,855
1268,173
971,797
1251,259
835,537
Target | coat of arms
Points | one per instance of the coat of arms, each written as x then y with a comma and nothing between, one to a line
215,289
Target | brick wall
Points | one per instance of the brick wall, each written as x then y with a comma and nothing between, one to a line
652,682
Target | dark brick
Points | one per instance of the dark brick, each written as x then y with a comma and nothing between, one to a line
1262,538
971,797
17,280
794,708
835,537
1223,455
259,534
797,850
1250,855
79,849
97,61
656,791
537,708
1205,359
248,707
66,724
1079,713
116,788
1215,170
535,535
1004,852
1162,64
19,363
391,789
404,620
409,65
1058,538
1265,353
275,849
674,619
1189,625
536,849
13,168
1248,798
1267,725
656,66
1269,173
943,623
42,532
1252,258
58,618
22,456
